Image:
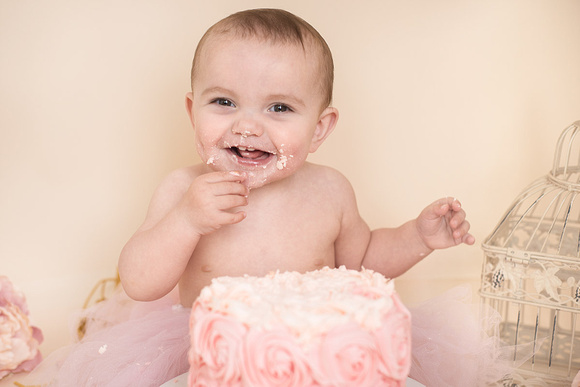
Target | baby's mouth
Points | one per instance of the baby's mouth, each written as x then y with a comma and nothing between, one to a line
250,155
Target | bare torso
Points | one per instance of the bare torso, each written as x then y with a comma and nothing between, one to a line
290,225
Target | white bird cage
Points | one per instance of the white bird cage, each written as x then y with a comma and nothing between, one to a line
531,270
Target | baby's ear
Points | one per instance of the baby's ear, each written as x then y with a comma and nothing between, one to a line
189,106
325,126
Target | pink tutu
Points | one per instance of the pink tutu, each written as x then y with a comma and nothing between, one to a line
453,346
127,343
131,343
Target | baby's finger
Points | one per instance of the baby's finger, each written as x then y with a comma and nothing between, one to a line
435,210
230,188
468,239
457,219
233,217
225,218
227,202
455,204
460,233
217,177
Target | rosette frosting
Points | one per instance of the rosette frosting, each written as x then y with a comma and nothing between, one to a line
330,327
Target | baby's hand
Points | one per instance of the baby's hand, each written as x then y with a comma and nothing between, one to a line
211,200
442,224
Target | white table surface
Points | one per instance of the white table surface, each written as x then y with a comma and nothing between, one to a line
181,381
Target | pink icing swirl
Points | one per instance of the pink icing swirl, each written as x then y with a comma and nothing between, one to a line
349,357
215,346
274,358
394,338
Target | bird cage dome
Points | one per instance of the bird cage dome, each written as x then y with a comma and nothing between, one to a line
531,271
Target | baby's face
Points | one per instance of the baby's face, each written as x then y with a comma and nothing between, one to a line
255,107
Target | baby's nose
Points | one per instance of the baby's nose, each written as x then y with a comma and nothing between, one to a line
247,129
248,124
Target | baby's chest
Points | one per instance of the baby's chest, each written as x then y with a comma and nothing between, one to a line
276,235
288,239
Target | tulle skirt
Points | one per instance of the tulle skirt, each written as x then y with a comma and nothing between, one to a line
127,343
131,343
456,343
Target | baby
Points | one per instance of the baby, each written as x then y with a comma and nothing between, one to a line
260,103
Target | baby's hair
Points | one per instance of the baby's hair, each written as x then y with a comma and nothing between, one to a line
279,27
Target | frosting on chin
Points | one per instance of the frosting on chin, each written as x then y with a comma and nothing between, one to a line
256,176
261,167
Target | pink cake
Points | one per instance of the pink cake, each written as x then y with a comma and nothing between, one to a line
330,327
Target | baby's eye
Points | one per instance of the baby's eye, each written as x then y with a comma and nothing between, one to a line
223,102
280,108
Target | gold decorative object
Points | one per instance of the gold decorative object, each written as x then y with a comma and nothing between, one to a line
100,292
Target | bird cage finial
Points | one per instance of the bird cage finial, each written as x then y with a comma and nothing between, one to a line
566,169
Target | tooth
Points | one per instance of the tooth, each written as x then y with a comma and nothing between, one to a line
242,148
251,149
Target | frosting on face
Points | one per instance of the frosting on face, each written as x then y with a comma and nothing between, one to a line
262,164
253,108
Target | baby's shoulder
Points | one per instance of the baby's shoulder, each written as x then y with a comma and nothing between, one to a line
182,176
177,182
328,178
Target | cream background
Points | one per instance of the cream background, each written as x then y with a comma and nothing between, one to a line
459,98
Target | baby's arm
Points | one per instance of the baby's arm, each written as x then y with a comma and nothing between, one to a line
393,251
440,225
183,208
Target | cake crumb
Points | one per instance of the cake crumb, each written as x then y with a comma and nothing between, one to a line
282,161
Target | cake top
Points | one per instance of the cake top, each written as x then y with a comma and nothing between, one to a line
307,304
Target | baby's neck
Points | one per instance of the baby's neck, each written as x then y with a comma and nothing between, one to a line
282,186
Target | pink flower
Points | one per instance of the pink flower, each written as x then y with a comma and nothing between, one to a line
215,347
350,357
274,358
19,340
394,339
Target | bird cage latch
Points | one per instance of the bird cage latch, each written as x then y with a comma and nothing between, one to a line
518,256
